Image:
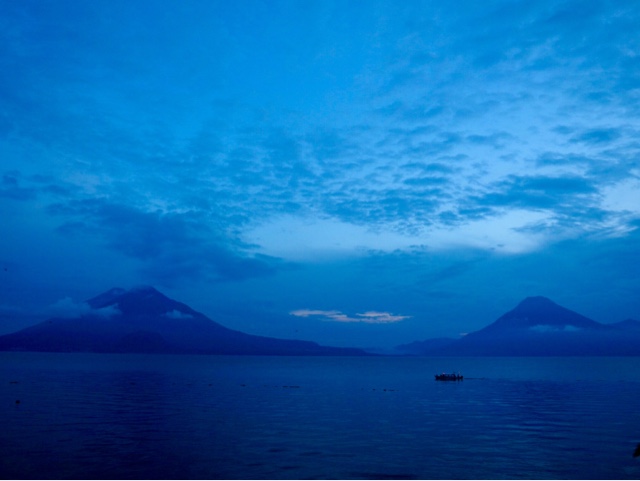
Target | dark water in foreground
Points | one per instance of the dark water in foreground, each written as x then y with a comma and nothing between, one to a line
128,416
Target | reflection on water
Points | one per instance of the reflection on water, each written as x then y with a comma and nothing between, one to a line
163,417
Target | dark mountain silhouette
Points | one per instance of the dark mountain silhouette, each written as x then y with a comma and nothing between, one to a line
540,327
540,311
627,324
143,320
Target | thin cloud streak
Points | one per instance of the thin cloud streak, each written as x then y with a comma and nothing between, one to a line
369,317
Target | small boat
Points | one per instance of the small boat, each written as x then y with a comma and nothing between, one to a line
449,377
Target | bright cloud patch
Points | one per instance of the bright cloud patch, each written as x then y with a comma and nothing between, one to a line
176,314
369,317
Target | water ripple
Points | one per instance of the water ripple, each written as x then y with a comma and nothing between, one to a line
204,417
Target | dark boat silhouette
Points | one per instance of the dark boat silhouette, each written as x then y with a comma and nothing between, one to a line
449,377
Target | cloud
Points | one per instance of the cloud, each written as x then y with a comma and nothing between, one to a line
175,314
495,139
598,136
10,188
376,317
68,308
171,246
369,317
539,192
553,159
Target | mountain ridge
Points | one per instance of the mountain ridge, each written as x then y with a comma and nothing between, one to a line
537,326
143,320
541,311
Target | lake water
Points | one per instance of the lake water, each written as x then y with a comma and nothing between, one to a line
84,416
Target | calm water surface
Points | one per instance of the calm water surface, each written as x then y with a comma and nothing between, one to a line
83,416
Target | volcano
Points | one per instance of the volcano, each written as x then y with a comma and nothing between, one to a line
537,326
143,320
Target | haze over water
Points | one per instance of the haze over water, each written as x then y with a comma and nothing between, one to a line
131,416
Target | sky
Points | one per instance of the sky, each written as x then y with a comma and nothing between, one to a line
356,173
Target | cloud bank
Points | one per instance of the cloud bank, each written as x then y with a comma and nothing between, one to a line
369,317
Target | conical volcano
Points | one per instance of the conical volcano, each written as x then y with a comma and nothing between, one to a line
143,320
541,313
537,326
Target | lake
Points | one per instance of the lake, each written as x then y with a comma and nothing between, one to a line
84,416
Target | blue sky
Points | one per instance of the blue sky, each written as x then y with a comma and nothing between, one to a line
355,173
